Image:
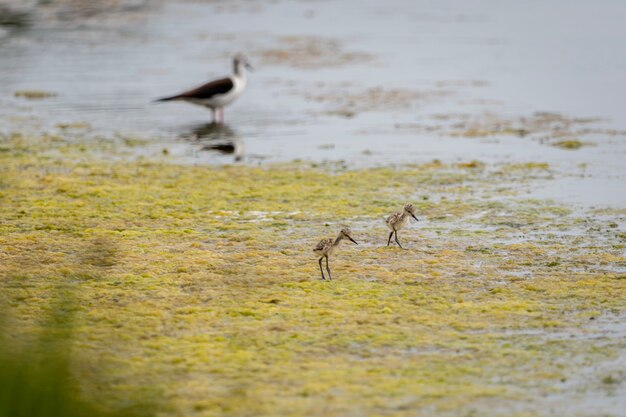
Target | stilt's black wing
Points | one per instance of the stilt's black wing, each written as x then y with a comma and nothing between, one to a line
206,91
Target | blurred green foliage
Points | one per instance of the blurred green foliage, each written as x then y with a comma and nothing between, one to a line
36,378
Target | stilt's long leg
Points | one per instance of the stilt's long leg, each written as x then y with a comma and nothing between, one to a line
397,241
213,119
321,270
389,241
222,115
328,269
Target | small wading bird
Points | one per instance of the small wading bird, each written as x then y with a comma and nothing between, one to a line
220,93
327,247
398,220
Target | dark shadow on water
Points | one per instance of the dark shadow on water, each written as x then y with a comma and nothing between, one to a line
218,137
16,19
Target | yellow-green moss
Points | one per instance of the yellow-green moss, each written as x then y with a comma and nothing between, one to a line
569,144
202,282
34,94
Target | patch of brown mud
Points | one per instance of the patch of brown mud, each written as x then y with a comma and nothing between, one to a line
310,52
78,11
233,6
346,103
553,129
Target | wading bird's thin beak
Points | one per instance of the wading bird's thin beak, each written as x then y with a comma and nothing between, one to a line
353,241
416,219
249,67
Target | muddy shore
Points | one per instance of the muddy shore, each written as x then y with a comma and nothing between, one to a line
187,245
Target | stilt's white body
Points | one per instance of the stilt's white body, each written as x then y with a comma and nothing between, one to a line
219,101
217,94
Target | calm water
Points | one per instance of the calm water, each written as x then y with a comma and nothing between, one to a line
460,59
504,58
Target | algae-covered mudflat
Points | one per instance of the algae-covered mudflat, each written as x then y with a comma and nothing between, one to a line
146,272
199,283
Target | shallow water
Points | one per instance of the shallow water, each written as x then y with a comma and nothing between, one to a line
419,78
410,70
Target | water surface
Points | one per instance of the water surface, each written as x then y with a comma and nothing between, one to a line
369,84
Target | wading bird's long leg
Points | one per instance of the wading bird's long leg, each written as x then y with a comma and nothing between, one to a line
213,119
328,269
321,270
397,241
222,115
389,241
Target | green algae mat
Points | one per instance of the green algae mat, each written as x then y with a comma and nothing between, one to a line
195,288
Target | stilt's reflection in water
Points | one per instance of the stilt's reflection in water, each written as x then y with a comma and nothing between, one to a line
220,138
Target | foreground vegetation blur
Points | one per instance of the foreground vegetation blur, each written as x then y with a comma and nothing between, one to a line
37,377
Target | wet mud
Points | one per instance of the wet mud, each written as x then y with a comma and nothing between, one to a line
188,244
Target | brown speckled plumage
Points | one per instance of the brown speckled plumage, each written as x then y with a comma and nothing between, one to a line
398,221
326,247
